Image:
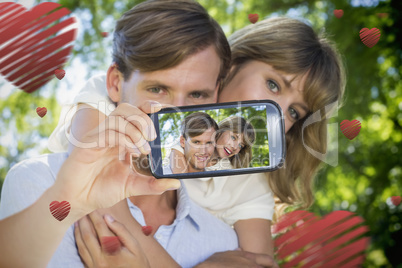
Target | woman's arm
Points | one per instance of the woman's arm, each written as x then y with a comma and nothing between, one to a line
95,229
255,236
177,162
85,119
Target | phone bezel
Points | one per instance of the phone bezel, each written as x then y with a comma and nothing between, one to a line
157,168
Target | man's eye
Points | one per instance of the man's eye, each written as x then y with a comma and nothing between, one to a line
155,90
196,95
294,114
272,86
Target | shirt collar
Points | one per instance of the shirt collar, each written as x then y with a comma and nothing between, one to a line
185,207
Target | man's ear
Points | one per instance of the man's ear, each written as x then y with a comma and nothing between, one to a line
182,141
114,79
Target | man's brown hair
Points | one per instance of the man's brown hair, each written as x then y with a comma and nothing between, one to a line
196,124
160,34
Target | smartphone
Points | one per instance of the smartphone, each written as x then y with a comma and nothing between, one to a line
217,139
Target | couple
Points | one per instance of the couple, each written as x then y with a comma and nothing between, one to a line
206,145
173,53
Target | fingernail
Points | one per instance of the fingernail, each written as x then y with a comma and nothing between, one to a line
109,218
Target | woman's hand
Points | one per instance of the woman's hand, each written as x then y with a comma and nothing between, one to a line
98,173
107,243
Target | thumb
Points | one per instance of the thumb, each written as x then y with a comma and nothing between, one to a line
150,107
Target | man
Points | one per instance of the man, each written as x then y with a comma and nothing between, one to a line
197,140
168,51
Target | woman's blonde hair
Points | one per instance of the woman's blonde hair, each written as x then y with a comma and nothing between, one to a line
239,125
291,46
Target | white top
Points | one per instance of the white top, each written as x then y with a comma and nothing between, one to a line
193,236
230,198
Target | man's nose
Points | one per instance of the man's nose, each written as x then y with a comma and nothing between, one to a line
179,100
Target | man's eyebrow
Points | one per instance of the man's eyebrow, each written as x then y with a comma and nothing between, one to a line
158,83
153,83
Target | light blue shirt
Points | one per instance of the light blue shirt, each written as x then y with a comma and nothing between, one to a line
194,235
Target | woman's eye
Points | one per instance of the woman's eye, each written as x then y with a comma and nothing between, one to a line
233,137
272,86
294,114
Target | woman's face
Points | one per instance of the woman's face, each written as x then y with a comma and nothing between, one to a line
257,80
229,144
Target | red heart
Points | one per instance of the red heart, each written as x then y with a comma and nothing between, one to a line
350,129
105,34
59,210
31,44
396,200
333,241
253,18
59,74
370,37
41,111
110,244
147,230
338,13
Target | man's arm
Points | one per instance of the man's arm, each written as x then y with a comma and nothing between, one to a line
83,180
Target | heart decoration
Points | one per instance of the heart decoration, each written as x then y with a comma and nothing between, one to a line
31,45
370,37
110,244
147,230
59,74
305,240
105,34
396,200
41,111
350,129
60,210
253,18
338,13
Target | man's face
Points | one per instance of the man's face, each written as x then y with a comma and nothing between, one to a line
198,150
193,81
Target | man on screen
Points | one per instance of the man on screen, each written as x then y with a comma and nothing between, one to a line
197,140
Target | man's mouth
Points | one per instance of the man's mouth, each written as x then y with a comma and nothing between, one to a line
202,158
227,151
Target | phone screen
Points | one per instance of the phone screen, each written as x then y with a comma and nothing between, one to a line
218,139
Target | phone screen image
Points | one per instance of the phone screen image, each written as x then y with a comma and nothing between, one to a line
228,138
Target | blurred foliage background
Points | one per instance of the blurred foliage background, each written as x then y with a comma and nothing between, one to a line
369,170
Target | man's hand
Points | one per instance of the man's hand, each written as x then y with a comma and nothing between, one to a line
238,259
97,248
95,177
